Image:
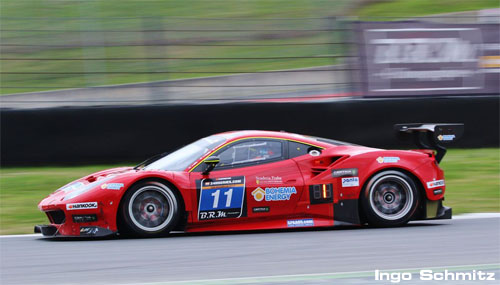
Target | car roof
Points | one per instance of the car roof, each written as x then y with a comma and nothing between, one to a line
236,135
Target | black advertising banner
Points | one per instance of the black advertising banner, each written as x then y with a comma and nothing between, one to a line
421,58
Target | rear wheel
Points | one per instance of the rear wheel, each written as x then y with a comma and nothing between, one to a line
390,198
150,209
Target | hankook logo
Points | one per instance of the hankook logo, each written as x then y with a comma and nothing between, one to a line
79,206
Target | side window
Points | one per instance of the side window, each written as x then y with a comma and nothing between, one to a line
297,149
250,152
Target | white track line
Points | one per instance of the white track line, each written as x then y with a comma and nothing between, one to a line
458,217
314,276
25,235
476,216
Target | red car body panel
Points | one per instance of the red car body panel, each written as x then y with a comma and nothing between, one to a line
295,174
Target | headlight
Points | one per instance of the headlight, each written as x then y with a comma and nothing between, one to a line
71,187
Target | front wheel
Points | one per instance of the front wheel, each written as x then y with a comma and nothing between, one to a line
390,198
150,209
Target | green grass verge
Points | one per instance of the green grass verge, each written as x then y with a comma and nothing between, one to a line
472,179
22,188
411,8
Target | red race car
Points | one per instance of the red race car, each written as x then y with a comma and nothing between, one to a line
250,180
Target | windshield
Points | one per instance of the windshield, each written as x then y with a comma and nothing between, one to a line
185,156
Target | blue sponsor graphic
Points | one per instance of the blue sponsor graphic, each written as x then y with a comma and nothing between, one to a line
300,223
350,182
446,137
221,198
112,186
388,159
280,193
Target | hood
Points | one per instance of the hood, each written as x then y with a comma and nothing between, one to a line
87,183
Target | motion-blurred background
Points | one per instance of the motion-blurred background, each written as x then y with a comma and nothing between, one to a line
89,84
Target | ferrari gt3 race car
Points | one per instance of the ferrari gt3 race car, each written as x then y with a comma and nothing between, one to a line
251,180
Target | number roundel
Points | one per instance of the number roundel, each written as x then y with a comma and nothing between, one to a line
221,198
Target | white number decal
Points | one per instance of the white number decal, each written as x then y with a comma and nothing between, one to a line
216,199
229,194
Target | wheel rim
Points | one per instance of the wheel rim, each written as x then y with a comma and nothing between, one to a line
391,197
151,208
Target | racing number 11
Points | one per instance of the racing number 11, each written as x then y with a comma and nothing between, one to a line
221,198
228,193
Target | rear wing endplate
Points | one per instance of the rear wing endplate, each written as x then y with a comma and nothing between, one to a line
431,136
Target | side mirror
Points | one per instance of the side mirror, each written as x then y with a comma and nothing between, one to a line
210,164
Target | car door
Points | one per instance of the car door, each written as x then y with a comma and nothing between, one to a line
254,179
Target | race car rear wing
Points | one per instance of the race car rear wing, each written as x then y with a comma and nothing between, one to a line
431,136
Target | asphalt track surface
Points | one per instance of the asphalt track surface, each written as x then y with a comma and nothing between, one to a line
343,255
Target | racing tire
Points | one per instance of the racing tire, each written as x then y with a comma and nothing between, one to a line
389,199
149,209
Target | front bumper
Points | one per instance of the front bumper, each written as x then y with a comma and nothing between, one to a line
66,221
85,231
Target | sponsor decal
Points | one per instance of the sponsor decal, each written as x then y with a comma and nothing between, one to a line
438,191
350,182
84,218
342,172
273,193
387,159
88,230
81,206
280,193
300,223
260,209
446,137
221,198
112,186
258,194
435,183
268,180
